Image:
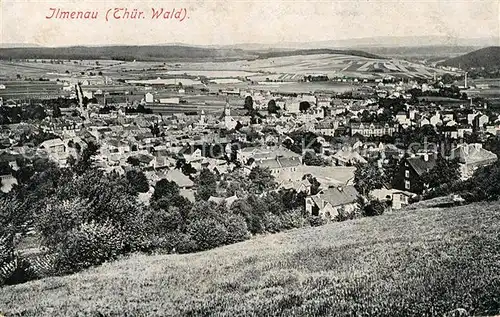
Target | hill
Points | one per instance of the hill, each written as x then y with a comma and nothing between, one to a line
161,53
284,53
374,42
126,53
488,57
410,263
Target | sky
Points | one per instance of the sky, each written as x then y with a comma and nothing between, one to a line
236,21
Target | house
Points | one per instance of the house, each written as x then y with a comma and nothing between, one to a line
347,157
471,117
7,182
56,150
115,146
300,186
325,175
402,118
471,157
436,119
462,131
265,153
192,154
279,165
325,128
175,175
149,97
410,171
170,100
480,121
372,129
424,122
228,201
398,198
328,203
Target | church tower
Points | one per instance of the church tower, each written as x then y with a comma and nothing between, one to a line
227,108
229,122
203,119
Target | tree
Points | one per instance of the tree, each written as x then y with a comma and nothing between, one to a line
315,185
262,179
311,159
133,161
207,185
444,172
186,168
165,189
56,113
207,233
272,107
368,177
155,130
138,181
85,162
374,208
248,103
304,106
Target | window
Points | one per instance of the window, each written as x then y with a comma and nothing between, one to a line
407,185
407,174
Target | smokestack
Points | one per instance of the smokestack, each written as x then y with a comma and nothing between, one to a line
465,85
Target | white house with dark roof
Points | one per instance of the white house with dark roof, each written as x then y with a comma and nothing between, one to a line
328,203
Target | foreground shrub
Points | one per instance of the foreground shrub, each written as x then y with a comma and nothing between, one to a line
87,245
59,217
236,228
293,219
273,223
207,233
374,208
344,214
8,260
316,221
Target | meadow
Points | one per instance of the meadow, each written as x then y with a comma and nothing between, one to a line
422,262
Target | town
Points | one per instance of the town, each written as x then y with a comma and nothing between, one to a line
187,156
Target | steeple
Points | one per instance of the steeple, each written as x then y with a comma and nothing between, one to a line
227,108
203,117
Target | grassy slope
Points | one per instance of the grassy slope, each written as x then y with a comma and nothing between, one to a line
418,262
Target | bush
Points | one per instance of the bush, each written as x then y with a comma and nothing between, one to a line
8,260
293,219
207,233
273,223
89,244
347,215
236,228
184,243
316,221
374,208
59,217
21,271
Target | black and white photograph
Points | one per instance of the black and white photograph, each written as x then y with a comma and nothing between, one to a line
242,158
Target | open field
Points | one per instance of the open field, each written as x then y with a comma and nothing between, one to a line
332,65
287,68
423,262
